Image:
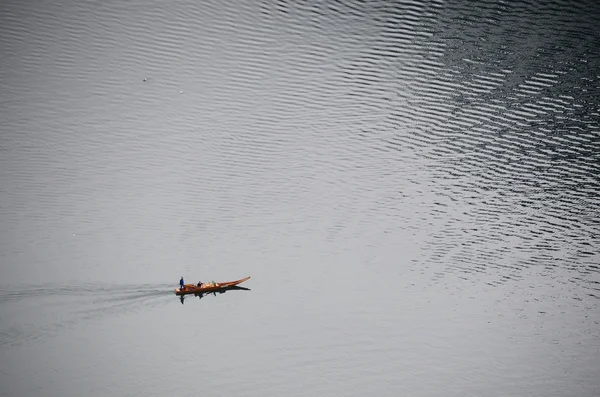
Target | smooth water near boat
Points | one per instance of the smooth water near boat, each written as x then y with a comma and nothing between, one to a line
413,188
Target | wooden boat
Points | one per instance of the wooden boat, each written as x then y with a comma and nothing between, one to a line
208,287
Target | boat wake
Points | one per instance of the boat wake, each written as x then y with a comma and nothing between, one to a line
123,291
56,306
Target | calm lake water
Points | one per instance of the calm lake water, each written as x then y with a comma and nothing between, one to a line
413,187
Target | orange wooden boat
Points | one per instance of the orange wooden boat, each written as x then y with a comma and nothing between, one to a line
207,287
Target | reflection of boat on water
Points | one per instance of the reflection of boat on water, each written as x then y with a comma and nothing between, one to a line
208,287
201,295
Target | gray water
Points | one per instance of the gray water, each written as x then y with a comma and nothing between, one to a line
413,188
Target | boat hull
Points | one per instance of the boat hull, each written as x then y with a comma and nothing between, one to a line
193,289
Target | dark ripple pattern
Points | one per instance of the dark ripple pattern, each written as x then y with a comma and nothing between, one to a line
513,146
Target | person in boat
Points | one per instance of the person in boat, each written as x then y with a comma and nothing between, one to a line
181,284
199,283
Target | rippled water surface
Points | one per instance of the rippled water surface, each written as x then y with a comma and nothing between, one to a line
413,188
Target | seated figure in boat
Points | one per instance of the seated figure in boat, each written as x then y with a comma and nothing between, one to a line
199,283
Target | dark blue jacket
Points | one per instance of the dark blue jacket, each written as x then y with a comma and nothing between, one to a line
181,282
